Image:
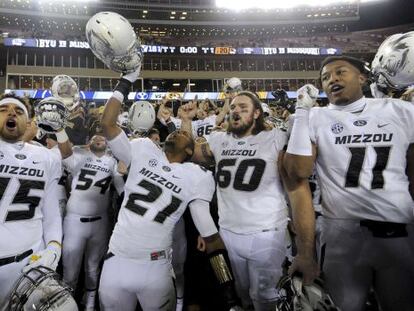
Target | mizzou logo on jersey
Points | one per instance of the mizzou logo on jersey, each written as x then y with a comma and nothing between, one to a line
20,156
366,138
97,167
337,128
161,180
235,152
22,171
360,123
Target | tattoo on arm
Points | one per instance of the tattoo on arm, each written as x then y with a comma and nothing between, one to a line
206,154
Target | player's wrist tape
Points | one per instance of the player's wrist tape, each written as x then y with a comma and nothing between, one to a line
220,263
118,96
299,142
123,86
62,137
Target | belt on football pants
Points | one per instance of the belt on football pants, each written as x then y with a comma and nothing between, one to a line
17,258
385,229
90,219
152,256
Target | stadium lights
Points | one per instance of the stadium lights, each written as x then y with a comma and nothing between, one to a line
280,4
65,1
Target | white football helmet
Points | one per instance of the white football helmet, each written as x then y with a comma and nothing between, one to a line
41,289
66,90
294,296
393,65
233,85
113,40
51,114
141,116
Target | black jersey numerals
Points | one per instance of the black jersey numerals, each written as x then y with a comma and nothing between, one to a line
86,182
22,197
204,130
153,193
255,167
357,161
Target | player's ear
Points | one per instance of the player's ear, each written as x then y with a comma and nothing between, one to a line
256,114
362,79
189,151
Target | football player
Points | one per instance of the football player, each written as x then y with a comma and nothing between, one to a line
86,226
251,205
364,155
159,187
52,144
31,225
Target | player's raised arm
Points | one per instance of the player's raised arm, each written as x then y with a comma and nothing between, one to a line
300,155
113,105
52,114
117,139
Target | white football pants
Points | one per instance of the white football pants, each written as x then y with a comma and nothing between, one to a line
353,261
89,239
124,281
256,260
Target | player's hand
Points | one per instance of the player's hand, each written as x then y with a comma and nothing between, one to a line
201,244
132,76
307,96
49,257
307,266
408,95
164,114
51,115
189,111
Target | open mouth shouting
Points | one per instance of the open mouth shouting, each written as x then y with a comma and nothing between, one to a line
11,124
336,89
235,117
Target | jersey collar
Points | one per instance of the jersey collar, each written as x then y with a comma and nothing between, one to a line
16,145
356,106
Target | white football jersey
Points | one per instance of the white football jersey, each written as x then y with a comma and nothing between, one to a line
157,193
203,128
92,177
361,159
27,173
249,190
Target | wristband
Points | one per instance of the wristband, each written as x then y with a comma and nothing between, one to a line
123,86
61,137
299,142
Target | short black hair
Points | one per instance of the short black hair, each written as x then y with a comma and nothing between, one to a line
362,66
